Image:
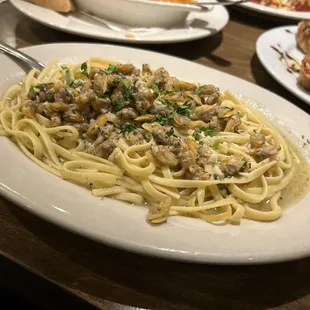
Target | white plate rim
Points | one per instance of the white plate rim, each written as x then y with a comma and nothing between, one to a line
214,258
272,69
222,12
275,12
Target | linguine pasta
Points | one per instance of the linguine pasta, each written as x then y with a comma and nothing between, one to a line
142,136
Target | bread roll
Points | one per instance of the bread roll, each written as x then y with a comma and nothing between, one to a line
63,6
304,74
303,36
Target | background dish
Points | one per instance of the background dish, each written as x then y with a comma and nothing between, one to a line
73,208
199,25
275,12
137,13
284,39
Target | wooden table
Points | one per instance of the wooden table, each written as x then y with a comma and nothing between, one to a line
56,269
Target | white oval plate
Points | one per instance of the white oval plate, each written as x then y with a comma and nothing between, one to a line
198,25
275,12
123,225
284,39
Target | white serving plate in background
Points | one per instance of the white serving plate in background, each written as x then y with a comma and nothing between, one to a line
123,225
284,38
267,10
197,25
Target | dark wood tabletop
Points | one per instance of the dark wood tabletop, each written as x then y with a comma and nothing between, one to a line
55,269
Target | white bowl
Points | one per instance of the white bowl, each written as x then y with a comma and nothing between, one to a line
139,13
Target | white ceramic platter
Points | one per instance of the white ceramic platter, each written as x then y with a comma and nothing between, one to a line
284,39
123,225
198,25
267,10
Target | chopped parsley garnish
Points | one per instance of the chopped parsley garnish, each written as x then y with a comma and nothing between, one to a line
221,186
197,91
102,96
170,92
163,101
38,87
184,110
128,127
84,68
196,134
119,103
243,167
127,84
110,69
169,106
171,132
20,110
64,68
156,89
216,144
164,120
128,94
69,80
206,131
35,89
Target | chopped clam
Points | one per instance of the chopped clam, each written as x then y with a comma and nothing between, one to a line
264,151
206,90
93,71
105,149
29,111
95,126
226,109
127,114
193,96
150,127
231,166
181,121
126,69
163,79
196,172
199,124
159,212
57,106
188,154
233,123
257,139
205,112
145,118
217,123
100,84
134,137
165,156
146,70
55,120
85,98
73,116
175,98
184,85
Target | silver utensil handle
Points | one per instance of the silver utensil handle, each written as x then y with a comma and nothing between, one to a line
221,2
21,56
